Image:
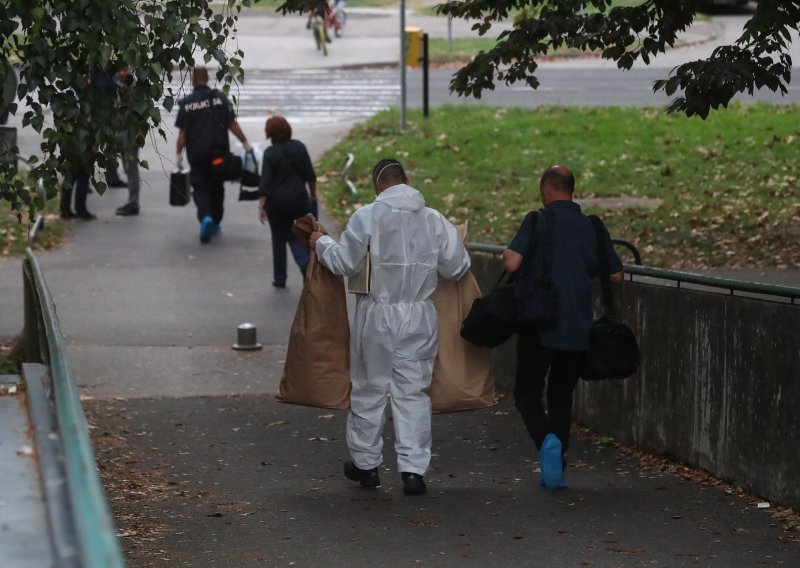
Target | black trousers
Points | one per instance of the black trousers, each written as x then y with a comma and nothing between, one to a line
559,369
208,194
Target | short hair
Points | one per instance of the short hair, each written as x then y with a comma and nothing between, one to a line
278,129
200,75
559,178
388,170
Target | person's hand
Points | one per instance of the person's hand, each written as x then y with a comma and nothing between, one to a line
262,215
248,147
312,240
179,160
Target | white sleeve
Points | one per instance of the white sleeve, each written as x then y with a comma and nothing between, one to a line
454,260
346,257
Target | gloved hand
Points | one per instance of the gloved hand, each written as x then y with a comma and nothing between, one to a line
179,160
248,147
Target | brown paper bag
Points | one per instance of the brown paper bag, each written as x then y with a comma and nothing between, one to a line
462,373
317,368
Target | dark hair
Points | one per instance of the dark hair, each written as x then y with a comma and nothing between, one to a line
278,129
200,75
559,178
389,170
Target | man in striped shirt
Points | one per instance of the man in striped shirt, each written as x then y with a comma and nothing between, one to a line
558,349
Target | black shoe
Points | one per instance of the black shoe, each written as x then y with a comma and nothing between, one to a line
413,484
67,214
279,285
128,209
85,216
116,183
366,477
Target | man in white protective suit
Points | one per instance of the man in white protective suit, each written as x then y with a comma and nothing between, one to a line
395,332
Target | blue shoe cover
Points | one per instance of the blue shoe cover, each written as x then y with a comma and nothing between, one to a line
216,230
206,229
551,463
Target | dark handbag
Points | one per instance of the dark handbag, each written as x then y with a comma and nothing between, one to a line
492,319
250,178
225,165
179,188
250,175
613,351
536,293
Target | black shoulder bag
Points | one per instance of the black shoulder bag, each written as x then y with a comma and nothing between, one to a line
250,178
495,317
613,350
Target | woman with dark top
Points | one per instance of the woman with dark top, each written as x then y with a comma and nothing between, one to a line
287,191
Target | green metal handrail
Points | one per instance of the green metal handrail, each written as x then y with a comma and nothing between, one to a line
97,541
733,286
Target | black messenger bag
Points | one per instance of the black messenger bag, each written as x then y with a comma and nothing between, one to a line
613,350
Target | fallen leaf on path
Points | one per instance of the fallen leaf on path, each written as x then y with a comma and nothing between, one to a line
627,551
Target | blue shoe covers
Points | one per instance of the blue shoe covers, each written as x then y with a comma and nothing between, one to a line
551,463
206,229
216,230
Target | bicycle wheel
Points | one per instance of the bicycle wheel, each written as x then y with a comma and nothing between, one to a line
319,31
315,33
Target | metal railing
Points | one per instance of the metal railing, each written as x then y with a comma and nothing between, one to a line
345,174
732,286
498,250
97,545
790,293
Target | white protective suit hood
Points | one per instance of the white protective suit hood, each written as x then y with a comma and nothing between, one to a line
403,197
406,250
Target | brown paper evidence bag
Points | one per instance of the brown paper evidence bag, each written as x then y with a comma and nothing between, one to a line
317,368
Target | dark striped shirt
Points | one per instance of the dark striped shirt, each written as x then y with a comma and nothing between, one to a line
575,264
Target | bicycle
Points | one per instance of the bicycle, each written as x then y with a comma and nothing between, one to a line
320,35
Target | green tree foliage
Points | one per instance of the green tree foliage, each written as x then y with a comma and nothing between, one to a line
759,57
66,52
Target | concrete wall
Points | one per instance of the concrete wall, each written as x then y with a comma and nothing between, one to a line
719,386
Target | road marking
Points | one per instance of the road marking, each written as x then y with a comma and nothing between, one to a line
314,95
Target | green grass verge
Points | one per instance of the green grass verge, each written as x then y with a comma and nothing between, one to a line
463,49
14,235
728,185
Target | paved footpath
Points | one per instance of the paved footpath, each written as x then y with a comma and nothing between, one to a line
204,468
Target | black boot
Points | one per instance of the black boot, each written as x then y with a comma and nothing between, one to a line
413,483
366,477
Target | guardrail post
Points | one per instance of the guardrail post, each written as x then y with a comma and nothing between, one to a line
33,353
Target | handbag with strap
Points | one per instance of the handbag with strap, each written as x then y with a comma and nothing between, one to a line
225,165
613,350
492,319
250,178
496,317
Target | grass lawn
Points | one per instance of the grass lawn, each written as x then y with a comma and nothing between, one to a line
728,185
14,235
464,48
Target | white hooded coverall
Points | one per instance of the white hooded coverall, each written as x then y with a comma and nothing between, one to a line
395,332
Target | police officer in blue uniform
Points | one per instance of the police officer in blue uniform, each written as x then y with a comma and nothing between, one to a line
204,118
